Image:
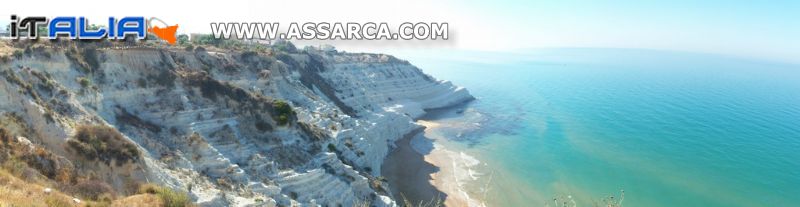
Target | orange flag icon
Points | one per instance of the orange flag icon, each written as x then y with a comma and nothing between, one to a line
167,33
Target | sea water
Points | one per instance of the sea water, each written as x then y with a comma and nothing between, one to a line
668,128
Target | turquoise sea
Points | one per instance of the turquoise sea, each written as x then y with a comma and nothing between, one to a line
668,128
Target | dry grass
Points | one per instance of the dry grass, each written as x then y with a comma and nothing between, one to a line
17,192
21,185
167,196
5,49
94,190
141,200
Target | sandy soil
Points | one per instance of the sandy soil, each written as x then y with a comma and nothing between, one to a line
409,174
423,171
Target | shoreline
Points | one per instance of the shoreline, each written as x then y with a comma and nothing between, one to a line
408,173
422,170
455,167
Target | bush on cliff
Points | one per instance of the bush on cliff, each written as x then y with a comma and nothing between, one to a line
85,82
285,46
94,190
282,112
104,143
86,59
18,54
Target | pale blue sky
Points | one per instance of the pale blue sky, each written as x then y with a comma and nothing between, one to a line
768,29
759,29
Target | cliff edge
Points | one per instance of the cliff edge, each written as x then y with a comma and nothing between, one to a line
229,127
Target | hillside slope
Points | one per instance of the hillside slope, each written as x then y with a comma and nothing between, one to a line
229,127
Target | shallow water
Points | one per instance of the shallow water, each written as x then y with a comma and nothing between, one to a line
671,129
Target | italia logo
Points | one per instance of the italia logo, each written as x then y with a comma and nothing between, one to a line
79,28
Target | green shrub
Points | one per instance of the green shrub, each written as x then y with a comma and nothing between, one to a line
183,39
248,54
282,120
206,40
84,82
18,53
285,46
282,112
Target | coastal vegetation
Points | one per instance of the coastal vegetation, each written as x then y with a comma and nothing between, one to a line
85,82
169,197
30,175
18,191
282,111
104,143
86,58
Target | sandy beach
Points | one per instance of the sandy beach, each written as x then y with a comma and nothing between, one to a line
423,171
409,174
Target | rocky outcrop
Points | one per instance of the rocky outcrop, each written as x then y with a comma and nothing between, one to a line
213,123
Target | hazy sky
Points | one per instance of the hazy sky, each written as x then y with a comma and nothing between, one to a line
761,29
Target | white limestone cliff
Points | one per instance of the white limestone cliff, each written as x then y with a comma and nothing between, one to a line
205,123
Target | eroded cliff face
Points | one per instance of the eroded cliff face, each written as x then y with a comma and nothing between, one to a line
231,128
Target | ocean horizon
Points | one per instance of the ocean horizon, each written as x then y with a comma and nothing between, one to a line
668,128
